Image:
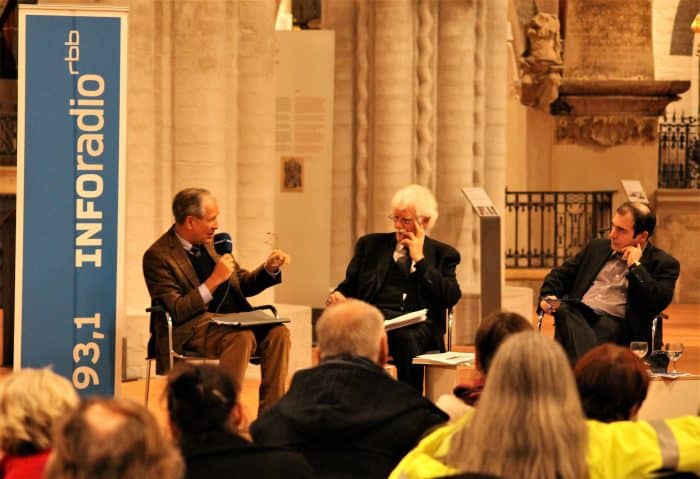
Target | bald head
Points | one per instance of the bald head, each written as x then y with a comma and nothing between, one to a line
107,438
352,327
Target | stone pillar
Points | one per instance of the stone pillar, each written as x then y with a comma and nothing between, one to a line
425,128
204,63
340,16
495,92
678,222
257,175
254,102
393,105
455,131
495,111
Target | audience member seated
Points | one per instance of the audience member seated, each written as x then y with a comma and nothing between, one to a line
346,415
492,331
612,383
31,402
107,438
204,414
529,424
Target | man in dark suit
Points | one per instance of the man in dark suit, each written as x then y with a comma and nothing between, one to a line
185,274
347,416
614,288
406,271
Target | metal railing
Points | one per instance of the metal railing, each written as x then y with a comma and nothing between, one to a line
679,153
543,228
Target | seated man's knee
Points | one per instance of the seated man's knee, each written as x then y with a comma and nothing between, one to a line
279,334
239,339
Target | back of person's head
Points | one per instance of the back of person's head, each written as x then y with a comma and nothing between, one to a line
200,399
643,217
612,382
493,330
107,438
529,422
352,327
31,402
421,199
188,202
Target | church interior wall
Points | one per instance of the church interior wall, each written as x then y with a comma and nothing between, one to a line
199,94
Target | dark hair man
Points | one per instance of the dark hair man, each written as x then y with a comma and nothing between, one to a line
613,288
185,274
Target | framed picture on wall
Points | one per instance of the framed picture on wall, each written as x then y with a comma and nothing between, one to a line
292,173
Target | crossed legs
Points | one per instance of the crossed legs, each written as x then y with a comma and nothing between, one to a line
579,329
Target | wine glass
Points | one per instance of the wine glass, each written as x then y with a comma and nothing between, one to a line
674,351
640,348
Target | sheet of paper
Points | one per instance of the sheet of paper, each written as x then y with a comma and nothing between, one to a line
450,357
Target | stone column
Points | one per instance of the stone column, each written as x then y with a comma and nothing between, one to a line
455,131
203,60
340,16
495,107
257,175
393,104
425,127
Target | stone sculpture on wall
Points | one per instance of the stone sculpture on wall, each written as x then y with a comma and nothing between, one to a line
606,130
541,66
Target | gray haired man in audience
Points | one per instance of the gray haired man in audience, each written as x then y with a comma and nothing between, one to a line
347,415
108,438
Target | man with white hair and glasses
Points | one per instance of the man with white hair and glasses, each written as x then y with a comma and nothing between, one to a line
406,271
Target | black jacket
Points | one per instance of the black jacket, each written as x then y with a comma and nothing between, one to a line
650,286
349,419
226,455
438,288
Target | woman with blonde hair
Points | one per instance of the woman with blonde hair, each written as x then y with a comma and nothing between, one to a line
529,422
31,402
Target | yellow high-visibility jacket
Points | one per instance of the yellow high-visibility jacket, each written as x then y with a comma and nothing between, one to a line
618,450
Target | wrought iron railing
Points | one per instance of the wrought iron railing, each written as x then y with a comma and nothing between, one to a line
679,153
543,228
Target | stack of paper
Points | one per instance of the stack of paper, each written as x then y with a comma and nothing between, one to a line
406,319
450,357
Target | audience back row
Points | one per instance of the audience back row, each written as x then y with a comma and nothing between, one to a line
347,418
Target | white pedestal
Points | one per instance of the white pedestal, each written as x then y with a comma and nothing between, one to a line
672,398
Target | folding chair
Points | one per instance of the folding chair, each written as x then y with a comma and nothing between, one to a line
159,313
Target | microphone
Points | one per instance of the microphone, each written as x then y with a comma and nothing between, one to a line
223,244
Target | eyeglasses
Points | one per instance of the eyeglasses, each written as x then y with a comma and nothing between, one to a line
405,221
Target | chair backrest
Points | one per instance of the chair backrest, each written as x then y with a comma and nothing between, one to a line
161,340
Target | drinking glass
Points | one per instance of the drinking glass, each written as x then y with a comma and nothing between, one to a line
640,348
674,351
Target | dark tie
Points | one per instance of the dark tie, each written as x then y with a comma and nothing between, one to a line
196,250
404,262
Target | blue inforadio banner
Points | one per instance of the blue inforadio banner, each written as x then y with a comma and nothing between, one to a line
71,159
